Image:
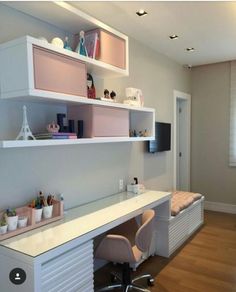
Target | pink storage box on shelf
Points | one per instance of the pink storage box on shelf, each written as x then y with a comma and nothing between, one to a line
59,73
100,121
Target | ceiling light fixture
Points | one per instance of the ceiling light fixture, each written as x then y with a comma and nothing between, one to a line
141,12
190,49
188,66
174,37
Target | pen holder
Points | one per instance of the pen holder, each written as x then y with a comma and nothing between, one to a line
47,211
37,213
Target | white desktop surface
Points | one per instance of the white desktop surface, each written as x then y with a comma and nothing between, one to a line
83,220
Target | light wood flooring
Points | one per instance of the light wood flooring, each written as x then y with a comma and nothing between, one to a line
206,263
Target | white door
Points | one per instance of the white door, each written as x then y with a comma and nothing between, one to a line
182,145
182,141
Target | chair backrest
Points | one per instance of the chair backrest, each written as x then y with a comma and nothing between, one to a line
144,234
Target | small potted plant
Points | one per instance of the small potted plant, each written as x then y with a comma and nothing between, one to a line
11,219
3,226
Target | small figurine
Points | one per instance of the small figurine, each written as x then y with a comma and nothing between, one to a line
43,39
106,94
91,91
53,128
81,48
66,44
25,132
57,42
113,95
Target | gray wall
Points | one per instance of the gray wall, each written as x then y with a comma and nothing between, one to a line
85,172
210,173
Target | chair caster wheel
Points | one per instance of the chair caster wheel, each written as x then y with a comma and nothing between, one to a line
150,282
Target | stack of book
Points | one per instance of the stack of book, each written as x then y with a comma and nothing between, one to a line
61,135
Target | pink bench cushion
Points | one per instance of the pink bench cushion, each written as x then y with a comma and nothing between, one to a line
181,200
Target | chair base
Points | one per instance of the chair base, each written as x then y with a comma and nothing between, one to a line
124,288
126,283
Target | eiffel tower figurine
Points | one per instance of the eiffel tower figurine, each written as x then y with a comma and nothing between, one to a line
25,132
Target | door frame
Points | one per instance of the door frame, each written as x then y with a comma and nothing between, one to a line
187,98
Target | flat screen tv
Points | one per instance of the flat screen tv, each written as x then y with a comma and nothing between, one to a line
163,138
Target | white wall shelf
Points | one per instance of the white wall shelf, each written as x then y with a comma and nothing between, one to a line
17,59
72,20
61,142
19,73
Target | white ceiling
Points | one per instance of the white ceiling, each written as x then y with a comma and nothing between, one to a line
209,27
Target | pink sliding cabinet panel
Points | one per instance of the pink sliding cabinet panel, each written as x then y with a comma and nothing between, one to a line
59,73
110,122
101,121
112,49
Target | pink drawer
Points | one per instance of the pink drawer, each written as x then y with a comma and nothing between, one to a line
100,121
59,73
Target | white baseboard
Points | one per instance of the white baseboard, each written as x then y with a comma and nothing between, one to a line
220,207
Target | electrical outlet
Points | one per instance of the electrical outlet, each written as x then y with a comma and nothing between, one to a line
121,184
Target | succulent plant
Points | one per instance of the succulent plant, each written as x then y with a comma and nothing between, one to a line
3,223
10,212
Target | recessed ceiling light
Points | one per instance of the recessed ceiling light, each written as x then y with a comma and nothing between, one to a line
141,12
188,66
190,49
173,37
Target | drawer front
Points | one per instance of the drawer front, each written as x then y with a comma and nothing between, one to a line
71,271
59,73
110,122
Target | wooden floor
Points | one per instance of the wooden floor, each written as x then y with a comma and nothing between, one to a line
206,263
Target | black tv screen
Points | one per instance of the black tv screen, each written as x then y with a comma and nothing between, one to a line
163,138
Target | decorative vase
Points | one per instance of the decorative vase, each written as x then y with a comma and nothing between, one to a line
12,222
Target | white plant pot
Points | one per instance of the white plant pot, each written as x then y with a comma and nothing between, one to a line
3,229
47,211
22,221
38,215
12,222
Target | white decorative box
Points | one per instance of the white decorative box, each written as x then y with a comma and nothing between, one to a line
136,189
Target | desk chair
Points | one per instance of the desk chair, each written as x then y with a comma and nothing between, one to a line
118,248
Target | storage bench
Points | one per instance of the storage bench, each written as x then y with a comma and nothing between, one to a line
172,232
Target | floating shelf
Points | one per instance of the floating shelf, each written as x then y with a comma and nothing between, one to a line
18,58
61,142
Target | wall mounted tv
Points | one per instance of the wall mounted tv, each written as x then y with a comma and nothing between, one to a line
162,141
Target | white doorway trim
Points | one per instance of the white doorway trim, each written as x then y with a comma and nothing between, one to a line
178,95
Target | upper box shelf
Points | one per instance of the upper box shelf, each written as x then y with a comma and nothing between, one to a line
72,20
33,67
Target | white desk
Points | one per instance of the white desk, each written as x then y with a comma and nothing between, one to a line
59,256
